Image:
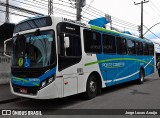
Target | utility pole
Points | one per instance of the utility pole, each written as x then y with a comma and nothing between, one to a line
141,27
7,12
79,10
50,7
79,5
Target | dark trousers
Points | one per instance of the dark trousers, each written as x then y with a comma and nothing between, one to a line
159,72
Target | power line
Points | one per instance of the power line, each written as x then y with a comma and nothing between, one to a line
21,9
155,6
103,14
88,7
152,32
64,11
146,12
30,4
15,13
73,4
95,13
123,26
37,3
64,1
154,10
40,1
63,5
119,22
96,10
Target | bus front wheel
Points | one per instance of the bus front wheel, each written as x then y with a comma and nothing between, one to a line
91,87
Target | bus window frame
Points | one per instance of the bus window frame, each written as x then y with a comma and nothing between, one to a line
128,46
101,45
115,50
147,47
151,54
71,60
125,46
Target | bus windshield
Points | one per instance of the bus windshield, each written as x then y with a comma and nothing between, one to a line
34,50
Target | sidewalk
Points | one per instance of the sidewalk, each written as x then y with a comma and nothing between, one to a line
6,95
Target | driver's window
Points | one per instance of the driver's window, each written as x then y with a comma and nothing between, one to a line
74,48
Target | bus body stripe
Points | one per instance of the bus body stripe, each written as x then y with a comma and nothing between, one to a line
118,59
122,78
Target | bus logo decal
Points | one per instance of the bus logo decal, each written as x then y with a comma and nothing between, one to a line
20,62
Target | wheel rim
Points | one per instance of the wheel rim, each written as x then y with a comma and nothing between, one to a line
142,78
92,86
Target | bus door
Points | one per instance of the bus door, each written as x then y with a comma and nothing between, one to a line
69,58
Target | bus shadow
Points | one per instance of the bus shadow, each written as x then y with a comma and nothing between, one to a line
51,104
125,86
118,87
68,102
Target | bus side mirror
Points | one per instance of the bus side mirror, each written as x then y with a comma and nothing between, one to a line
66,42
5,48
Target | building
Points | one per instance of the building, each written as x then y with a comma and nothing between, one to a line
6,32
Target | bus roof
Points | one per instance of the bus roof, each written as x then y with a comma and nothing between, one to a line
123,35
111,32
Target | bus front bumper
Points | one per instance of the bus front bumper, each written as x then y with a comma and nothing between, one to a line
48,92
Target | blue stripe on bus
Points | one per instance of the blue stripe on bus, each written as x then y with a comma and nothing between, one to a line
119,71
33,81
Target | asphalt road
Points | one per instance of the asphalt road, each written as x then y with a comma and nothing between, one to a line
124,96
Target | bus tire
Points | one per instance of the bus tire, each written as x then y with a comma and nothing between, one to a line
141,77
91,87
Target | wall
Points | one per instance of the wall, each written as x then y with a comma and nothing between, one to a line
5,64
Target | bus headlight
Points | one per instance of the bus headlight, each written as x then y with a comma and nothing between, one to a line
43,84
50,80
46,82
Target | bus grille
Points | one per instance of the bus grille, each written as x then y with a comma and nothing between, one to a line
24,74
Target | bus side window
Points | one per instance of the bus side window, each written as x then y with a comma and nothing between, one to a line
109,44
151,49
121,45
92,41
139,48
146,49
131,47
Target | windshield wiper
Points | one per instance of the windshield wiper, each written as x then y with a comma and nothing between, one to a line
37,32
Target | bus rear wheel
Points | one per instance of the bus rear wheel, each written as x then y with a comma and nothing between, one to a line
141,77
91,87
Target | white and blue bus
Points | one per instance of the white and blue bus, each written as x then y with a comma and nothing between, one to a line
57,57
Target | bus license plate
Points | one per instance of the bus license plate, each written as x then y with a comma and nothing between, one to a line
23,90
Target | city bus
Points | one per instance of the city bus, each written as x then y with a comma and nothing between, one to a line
56,57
